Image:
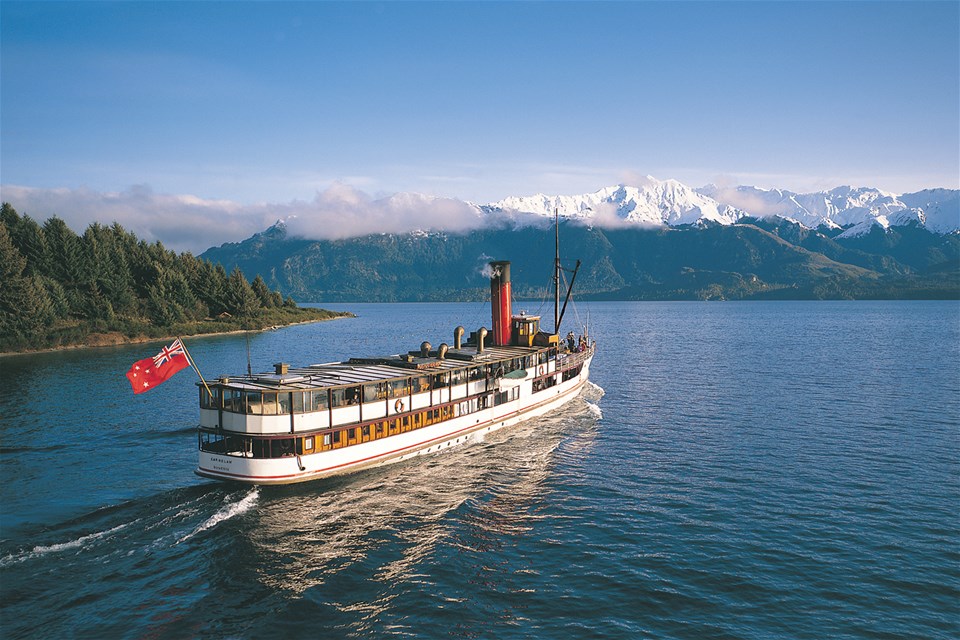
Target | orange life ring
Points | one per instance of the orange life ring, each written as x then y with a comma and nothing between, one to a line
541,370
398,405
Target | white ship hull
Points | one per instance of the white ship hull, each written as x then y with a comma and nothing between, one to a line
460,429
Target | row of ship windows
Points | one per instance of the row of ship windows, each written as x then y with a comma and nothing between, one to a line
274,403
249,447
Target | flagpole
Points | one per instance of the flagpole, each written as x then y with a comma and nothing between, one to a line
195,368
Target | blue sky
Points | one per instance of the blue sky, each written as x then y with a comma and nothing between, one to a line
274,102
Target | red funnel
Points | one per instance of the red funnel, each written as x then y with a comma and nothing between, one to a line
501,303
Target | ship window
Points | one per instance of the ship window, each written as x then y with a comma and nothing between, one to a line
374,391
283,402
366,431
399,388
441,380
252,402
352,394
236,445
342,397
208,402
305,445
269,404
297,402
458,377
421,384
326,439
231,400
282,448
320,400
209,441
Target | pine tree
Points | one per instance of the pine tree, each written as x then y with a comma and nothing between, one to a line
210,287
263,292
241,300
116,279
24,307
8,216
162,306
30,240
66,249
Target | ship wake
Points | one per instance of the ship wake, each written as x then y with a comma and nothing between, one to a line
229,510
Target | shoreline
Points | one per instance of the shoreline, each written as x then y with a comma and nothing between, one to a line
119,340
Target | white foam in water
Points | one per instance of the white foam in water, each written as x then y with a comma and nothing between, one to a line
63,546
595,410
597,388
227,512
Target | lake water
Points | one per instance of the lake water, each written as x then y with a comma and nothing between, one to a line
741,470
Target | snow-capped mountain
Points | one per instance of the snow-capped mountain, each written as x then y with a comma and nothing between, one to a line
656,202
671,203
941,208
858,208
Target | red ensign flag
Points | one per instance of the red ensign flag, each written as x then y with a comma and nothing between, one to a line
147,373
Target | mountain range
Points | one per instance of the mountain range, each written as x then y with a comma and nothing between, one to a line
659,240
668,202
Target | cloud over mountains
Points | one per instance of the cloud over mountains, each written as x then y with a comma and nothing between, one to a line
189,223
185,222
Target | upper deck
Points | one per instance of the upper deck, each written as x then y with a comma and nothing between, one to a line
338,393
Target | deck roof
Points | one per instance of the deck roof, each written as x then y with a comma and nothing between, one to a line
374,369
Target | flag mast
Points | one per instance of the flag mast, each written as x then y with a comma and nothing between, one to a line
194,365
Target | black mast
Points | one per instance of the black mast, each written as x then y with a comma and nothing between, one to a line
556,274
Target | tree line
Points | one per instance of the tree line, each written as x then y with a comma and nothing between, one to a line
57,287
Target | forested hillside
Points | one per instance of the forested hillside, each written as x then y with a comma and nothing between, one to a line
60,288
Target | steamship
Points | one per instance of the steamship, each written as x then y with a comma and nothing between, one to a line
299,424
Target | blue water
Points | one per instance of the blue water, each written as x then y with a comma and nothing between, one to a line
741,470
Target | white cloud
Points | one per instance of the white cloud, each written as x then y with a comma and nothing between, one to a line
343,212
187,222
181,222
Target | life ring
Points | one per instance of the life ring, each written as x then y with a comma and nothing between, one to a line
398,405
540,372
